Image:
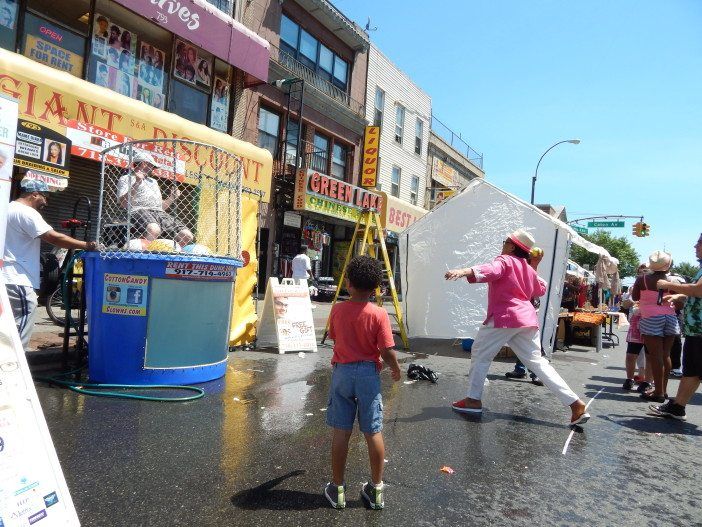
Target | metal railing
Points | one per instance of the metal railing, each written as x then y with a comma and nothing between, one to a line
456,142
310,157
311,78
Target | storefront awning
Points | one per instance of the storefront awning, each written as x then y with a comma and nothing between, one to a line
397,215
56,99
206,26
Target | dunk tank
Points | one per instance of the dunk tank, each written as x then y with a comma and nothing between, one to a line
159,290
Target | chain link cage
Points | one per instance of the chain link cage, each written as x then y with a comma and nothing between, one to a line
169,196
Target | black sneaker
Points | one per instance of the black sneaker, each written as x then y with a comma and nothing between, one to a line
336,495
536,381
628,385
514,374
373,495
669,409
643,387
653,398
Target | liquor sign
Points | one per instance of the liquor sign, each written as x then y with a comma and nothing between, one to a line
580,230
330,196
371,147
605,224
41,148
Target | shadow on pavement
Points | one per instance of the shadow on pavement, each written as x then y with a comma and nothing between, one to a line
654,425
445,412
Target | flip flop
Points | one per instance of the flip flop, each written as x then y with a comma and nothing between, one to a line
582,419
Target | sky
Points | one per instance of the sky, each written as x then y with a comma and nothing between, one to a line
514,77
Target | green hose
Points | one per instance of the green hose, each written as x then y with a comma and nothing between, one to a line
80,387
97,389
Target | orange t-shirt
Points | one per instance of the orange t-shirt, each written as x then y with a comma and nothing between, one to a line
359,330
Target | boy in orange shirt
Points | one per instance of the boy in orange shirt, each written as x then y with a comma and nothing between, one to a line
362,335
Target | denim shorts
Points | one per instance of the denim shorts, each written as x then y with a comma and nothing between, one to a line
659,326
355,389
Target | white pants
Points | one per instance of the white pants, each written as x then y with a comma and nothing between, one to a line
526,343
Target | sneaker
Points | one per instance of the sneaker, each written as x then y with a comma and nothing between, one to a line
536,381
460,406
373,495
677,372
653,398
669,409
643,387
628,385
637,378
515,374
336,495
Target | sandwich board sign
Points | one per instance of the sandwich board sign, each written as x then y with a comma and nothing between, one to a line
33,490
286,318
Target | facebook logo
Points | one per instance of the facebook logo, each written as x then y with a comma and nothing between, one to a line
134,296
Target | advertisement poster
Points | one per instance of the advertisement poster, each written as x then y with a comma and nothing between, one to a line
41,148
32,486
191,65
125,295
220,104
200,271
9,109
151,77
115,47
52,54
286,318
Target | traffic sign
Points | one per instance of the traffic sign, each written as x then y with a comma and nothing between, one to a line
580,230
606,224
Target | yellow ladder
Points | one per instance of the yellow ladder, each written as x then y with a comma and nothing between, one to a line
369,229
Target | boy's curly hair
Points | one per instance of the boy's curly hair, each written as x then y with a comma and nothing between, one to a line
364,273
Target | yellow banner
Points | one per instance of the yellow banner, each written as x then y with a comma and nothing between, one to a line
52,98
396,215
444,173
371,148
53,55
243,327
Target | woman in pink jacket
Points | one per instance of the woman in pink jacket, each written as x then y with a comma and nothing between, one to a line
511,320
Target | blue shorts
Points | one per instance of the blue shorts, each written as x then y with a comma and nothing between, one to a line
355,389
659,326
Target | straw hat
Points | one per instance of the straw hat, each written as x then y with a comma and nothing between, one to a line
659,261
522,239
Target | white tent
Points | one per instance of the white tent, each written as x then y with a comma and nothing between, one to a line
467,230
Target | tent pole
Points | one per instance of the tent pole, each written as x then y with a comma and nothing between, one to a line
550,284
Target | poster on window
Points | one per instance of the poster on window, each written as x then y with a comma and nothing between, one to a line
220,104
191,66
122,82
151,61
8,13
114,44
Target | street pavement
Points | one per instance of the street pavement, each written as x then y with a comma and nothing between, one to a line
255,449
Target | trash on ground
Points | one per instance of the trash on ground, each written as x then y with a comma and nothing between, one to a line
418,372
301,354
447,469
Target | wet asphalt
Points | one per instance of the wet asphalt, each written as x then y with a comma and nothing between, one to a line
255,450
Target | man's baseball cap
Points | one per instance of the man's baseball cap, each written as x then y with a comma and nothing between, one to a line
33,185
143,157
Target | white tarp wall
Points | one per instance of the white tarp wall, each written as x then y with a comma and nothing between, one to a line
467,230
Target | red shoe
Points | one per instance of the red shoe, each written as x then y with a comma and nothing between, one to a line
637,378
460,406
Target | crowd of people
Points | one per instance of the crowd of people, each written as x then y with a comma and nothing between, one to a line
663,309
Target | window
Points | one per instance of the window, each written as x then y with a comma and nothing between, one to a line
188,102
226,6
289,35
304,47
379,106
339,153
52,45
395,181
399,122
414,190
291,141
268,127
418,134
308,49
320,155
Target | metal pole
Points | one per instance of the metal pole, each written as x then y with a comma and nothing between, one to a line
533,180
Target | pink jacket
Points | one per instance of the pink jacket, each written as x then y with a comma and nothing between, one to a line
512,283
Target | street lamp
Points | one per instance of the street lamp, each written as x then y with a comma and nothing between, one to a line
533,180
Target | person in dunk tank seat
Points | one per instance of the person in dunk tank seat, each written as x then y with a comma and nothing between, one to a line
140,191
511,320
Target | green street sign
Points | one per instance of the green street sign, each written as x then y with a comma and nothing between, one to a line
580,230
606,224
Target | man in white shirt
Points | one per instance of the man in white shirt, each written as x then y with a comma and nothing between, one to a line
141,193
301,265
25,230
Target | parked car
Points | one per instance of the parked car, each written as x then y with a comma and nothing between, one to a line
326,288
